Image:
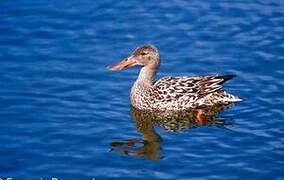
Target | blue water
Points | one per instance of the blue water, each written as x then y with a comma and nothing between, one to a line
62,111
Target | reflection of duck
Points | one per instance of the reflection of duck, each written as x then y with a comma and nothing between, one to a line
145,121
171,93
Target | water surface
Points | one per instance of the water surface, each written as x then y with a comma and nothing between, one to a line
61,111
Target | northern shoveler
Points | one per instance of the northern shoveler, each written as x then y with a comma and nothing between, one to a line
171,93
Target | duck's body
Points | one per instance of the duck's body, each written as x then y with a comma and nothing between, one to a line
181,93
172,93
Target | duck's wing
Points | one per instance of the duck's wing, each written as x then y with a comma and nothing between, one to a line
195,87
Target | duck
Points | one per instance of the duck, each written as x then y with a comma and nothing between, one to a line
171,93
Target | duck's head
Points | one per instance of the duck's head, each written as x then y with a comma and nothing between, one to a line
146,56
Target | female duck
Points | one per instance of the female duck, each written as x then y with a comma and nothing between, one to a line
171,93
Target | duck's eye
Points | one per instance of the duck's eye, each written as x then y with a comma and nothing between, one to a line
143,53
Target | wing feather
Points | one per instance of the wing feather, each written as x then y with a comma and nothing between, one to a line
197,87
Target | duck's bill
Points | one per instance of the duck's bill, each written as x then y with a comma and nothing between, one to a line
126,63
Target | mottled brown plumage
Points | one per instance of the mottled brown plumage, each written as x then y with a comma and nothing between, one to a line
171,93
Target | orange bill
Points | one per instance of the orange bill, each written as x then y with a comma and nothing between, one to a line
126,63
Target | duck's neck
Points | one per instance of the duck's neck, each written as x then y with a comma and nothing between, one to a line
147,76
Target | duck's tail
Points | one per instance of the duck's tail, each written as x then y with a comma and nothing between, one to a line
230,98
226,77
227,97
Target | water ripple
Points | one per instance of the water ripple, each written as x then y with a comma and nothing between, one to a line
60,108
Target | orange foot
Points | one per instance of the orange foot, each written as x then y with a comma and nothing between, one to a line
200,117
